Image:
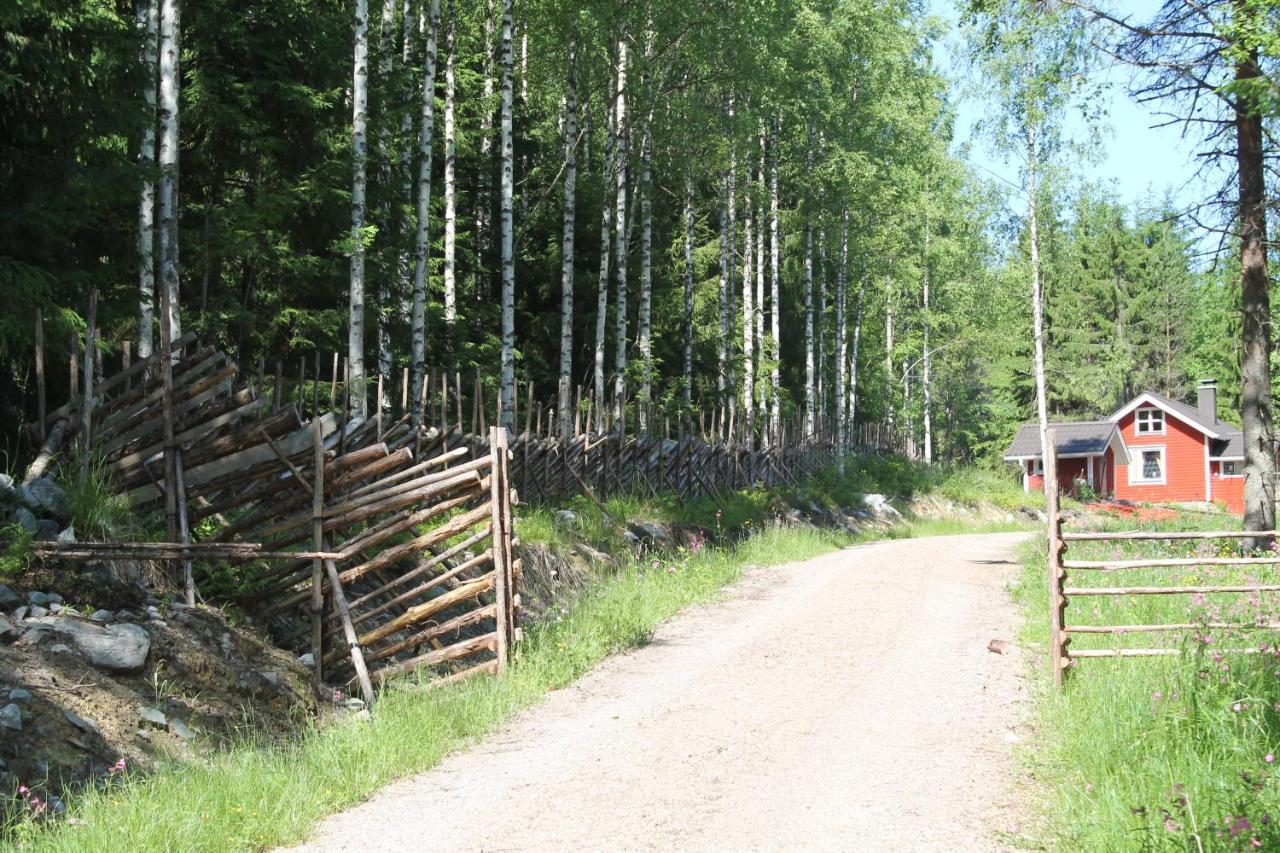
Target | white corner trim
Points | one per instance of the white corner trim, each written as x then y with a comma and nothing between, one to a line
1208,479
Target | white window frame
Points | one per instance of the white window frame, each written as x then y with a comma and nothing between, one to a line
1234,463
1152,412
1135,469
1036,467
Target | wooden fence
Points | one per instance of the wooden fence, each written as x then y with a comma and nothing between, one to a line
1061,629
393,544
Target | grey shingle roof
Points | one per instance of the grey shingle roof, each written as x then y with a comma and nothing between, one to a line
1072,437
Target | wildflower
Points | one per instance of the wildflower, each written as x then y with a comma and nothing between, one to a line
1157,696
1269,758
1237,707
1171,825
1237,826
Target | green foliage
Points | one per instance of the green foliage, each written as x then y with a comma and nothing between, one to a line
15,551
99,512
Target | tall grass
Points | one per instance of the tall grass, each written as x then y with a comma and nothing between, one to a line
1172,753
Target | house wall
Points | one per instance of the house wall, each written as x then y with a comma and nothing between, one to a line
1068,471
1184,458
1108,478
1227,490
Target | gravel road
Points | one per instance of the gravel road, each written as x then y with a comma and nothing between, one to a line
848,702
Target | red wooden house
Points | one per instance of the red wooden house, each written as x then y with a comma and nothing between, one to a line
1151,449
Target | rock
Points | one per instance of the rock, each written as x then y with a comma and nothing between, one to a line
88,726
27,519
126,615
159,623
20,696
881,508
54,598
181,729
8,631
272,678
101,616
631,539
47,530
46,497
8,598
654,534
308,660
40,598
154,716
56,608
11,717
37,611
21,612
60,649
567,519
116,648
68,536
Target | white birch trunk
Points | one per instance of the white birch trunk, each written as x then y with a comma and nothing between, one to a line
1037,290
602,282
853,361
732,310
810,391
758,312
722,303
359,131
450,199
775,303
748,321
644,319
927,356
890,411
170,85
508,391
688,292
565,396
484,200
421,241
823,384
620,235
841,342
148,21
403,273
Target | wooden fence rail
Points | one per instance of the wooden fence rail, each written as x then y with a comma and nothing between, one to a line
1062,657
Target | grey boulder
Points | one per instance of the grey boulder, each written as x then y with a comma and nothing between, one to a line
8,598
116,648
11,717
47,497
26,519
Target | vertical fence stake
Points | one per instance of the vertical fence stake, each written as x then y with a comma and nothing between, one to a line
497,502
1058,659
317,538
40,398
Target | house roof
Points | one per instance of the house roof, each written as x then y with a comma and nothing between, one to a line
1071,438
1184,412
1228,439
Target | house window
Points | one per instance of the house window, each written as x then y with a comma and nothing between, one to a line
1037,467
1230,468
1147,467
1150,422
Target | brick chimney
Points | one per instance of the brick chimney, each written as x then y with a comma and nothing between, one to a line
1207,399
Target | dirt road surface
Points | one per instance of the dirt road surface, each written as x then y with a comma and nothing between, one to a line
848,702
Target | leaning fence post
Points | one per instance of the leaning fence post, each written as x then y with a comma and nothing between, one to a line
499,493
1058,659
317,539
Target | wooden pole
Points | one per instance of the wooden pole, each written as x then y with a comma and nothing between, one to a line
317,538
302,384
333,382
277,394
1058,640
40,391
126,359
497,502
184,531
75,365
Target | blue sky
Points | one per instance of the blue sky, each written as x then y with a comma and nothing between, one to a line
1138,161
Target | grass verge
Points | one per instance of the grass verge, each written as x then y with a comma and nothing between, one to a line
1172,753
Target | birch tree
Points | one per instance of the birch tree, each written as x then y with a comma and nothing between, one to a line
775,299
508,381
170,85
602,282
688,291
359,131
450,187
620,233
841,337
748,318
564,397
148,22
